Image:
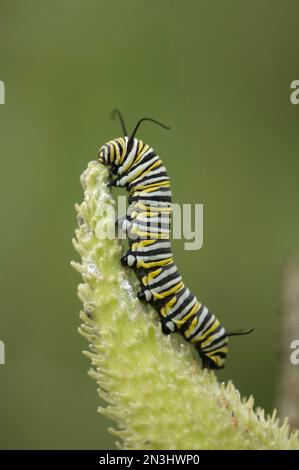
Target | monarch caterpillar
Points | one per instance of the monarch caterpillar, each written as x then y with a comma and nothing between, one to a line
147,224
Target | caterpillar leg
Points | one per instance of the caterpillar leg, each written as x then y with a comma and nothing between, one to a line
207,363
111,181
123,224
145,294
128,259
167,326
117,181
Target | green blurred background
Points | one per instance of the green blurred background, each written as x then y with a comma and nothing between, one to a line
219,73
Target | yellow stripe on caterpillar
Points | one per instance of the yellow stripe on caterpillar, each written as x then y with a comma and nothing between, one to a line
207,333
164,294
153,264
165,310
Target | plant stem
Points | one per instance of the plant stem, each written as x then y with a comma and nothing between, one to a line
156,392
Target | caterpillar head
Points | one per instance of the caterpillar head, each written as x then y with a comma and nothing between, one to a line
113,152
